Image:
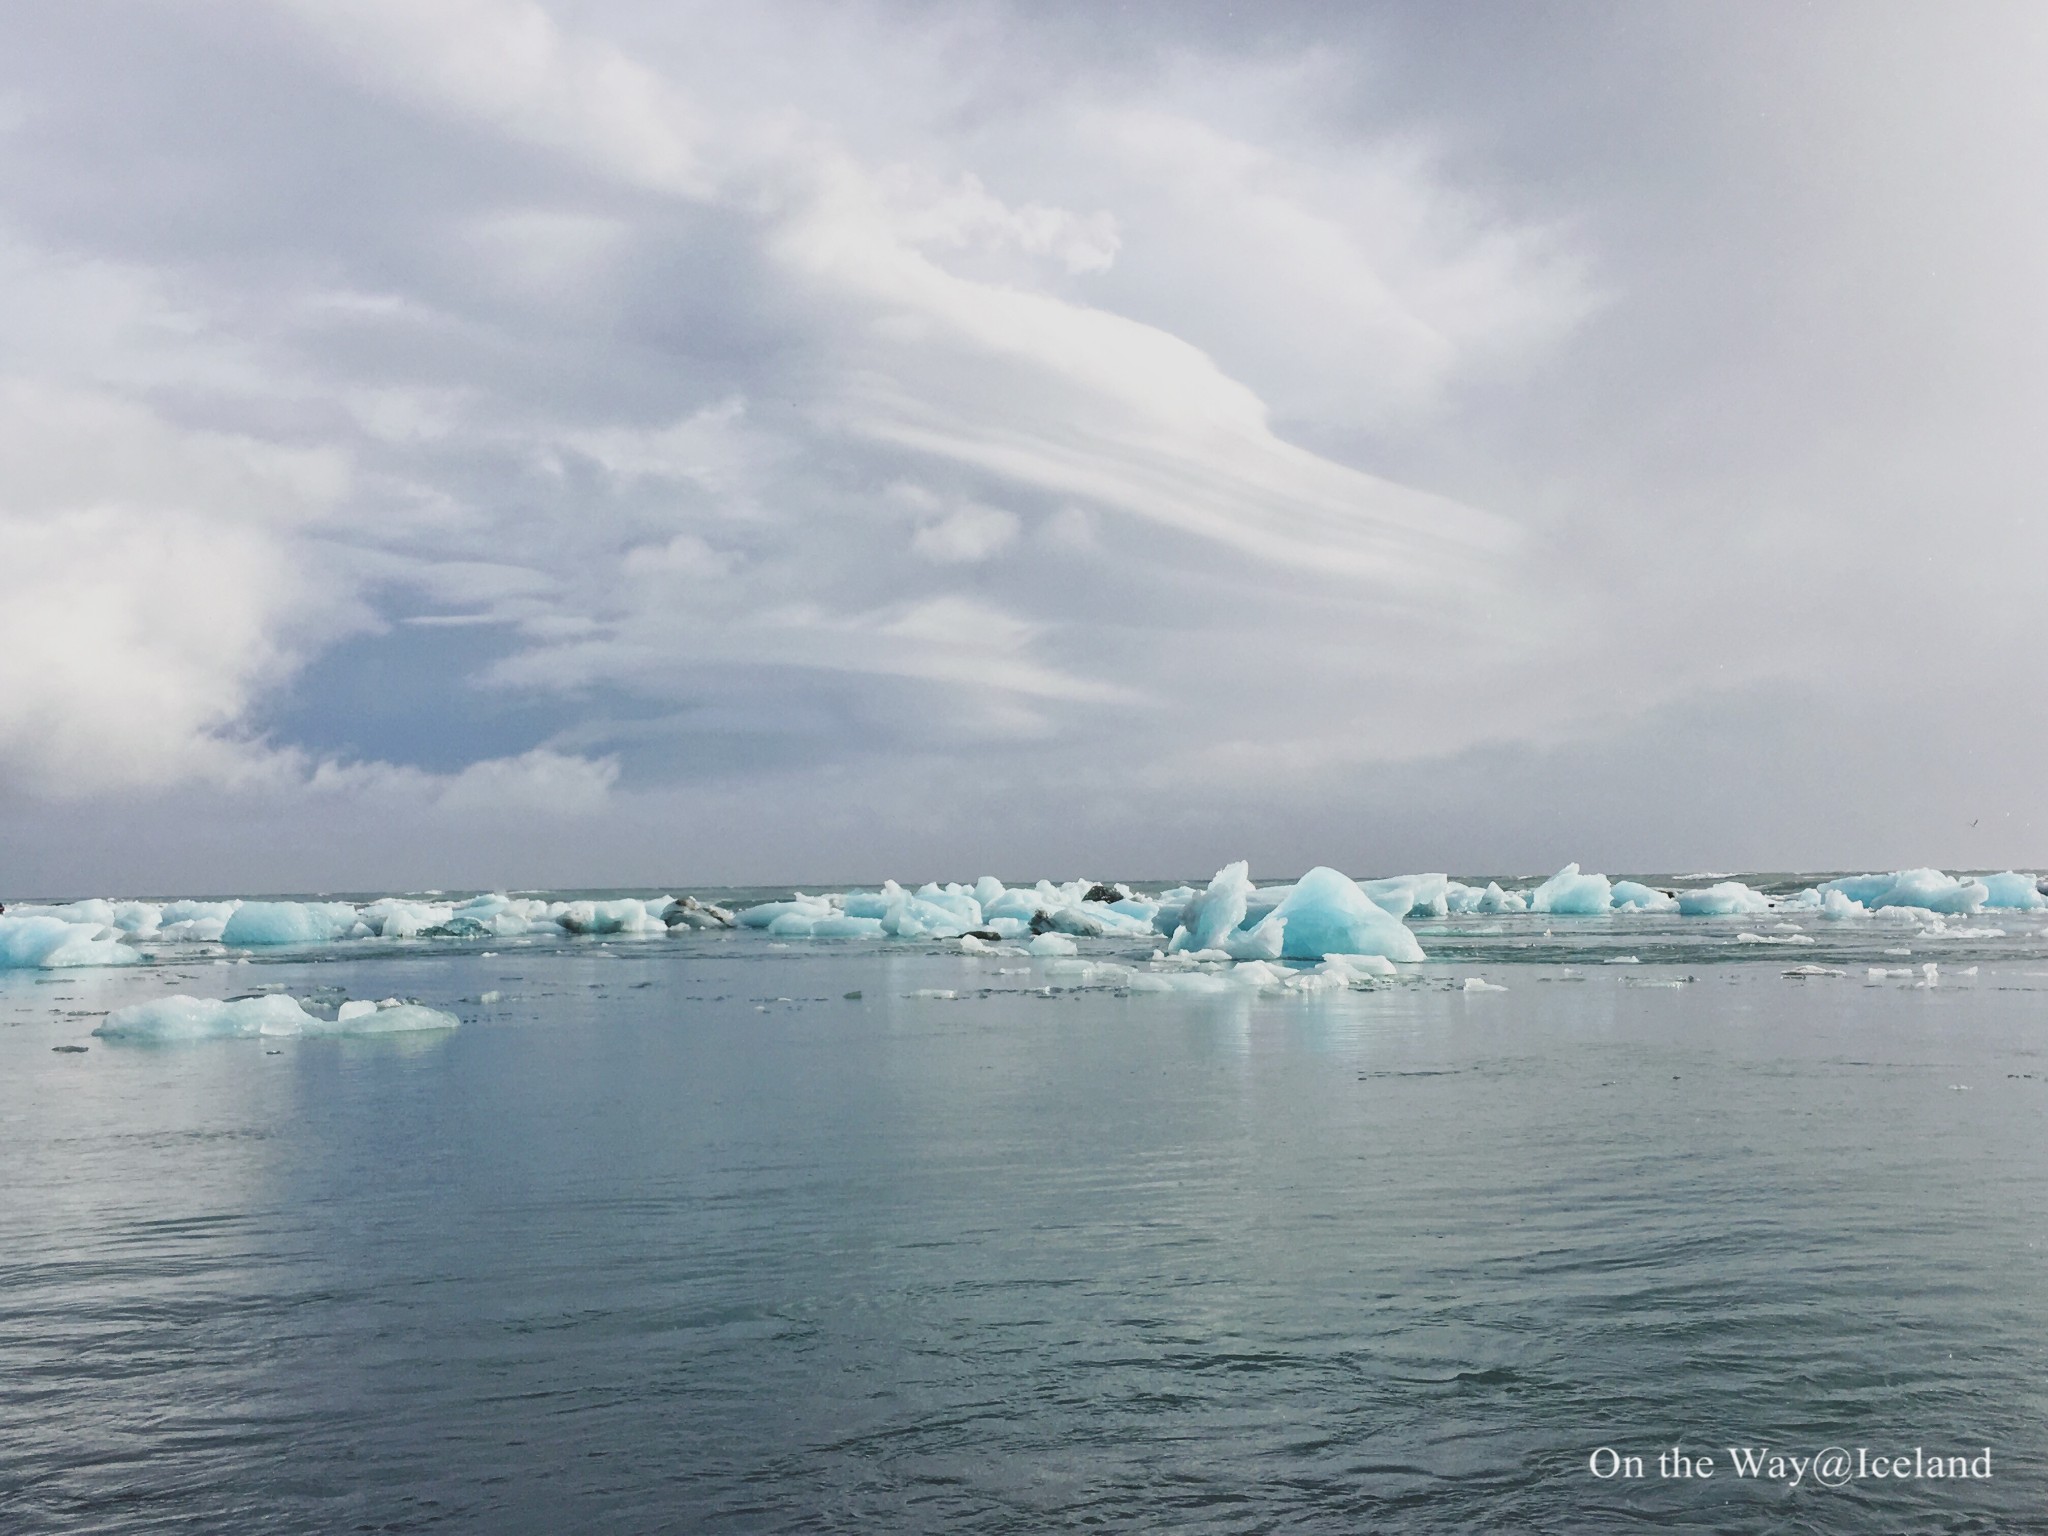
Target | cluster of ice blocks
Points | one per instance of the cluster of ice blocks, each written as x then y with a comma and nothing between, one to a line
1323,913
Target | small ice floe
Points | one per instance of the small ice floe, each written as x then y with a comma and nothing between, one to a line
1569,893
1899,954
1773,938
1481,984
1622,960
1053,944
1731,898
487,998
1813,970
212,1018
55,943
937,994
1930,975
1633,896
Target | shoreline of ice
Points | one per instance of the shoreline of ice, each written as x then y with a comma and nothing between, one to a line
1322,914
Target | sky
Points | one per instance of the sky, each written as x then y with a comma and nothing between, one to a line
626,442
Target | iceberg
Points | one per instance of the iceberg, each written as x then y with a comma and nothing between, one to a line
1410,895
1571,894
1727,899
194,922
211,1018
392,1016
1327,914
1494,899
2014,892
292,922
1632,895
206,1018
1209,917
51,943
624,916
689,912
1927,889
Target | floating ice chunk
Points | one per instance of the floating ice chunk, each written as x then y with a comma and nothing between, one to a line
1097,919
1359,966
1263,942
623,916
1571,894
912,917
689,912
142,919
838,925
207,1018
1928,889
50,943
1634,896
951,898
194,921
354,1009
1207,918
1327,914
1835,907
1728,899
1494,899
394,918
1053,944
292,922
767,912
2012,891
1481,984
1201,983
1773,938
1410,895
1813,970
1622,960
392,1016
1257,974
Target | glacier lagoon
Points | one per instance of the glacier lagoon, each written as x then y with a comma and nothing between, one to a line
650,1225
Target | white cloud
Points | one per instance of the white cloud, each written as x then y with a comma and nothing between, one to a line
969,534
150,588
624,382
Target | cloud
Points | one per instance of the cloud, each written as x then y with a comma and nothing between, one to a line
150,588
966,535
752,405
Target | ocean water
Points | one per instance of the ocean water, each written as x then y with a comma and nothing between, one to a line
677,1236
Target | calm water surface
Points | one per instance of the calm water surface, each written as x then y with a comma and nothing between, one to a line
678,1237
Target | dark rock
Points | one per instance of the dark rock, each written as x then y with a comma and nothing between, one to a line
987,934
1107,893
69,1050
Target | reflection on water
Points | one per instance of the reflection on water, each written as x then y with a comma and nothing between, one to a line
678,1237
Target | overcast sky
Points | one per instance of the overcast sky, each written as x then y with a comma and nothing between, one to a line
454,442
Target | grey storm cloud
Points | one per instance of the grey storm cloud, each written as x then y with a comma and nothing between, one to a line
504,441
